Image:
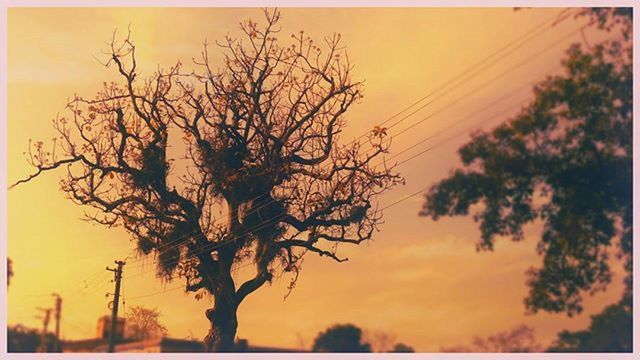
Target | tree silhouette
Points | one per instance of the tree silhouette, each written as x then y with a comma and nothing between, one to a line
402,348
21,339
143,323
341,338
566,160
609,331
519,339
261,140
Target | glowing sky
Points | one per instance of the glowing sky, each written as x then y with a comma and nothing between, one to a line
419,280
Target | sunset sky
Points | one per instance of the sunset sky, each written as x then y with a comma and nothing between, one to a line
420,280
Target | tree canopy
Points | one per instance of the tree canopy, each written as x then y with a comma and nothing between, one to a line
609,331
564,160
341,338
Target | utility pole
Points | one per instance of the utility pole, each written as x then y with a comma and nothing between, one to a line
45,322
116,299
58,310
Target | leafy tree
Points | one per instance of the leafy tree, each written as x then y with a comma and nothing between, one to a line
519,339
609,331
402,348
261,143
341,338
143,323
24,339
565,159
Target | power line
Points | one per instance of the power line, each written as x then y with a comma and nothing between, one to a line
557,18
157,293
92,277
385,207
487,66
92,284
382,209
95,286
180,286
502,74
556,43
421,191
213,246
528,36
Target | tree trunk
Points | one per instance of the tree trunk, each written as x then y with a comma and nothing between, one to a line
224,324
223,316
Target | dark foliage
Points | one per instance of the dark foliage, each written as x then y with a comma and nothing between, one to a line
566,160
341,338
23,339
402,348
609,331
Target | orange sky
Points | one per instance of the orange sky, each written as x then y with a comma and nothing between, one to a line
419,280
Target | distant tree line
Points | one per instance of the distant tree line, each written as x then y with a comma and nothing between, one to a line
21,339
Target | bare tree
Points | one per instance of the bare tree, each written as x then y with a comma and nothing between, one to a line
143,323
260,138
519,339
380,341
